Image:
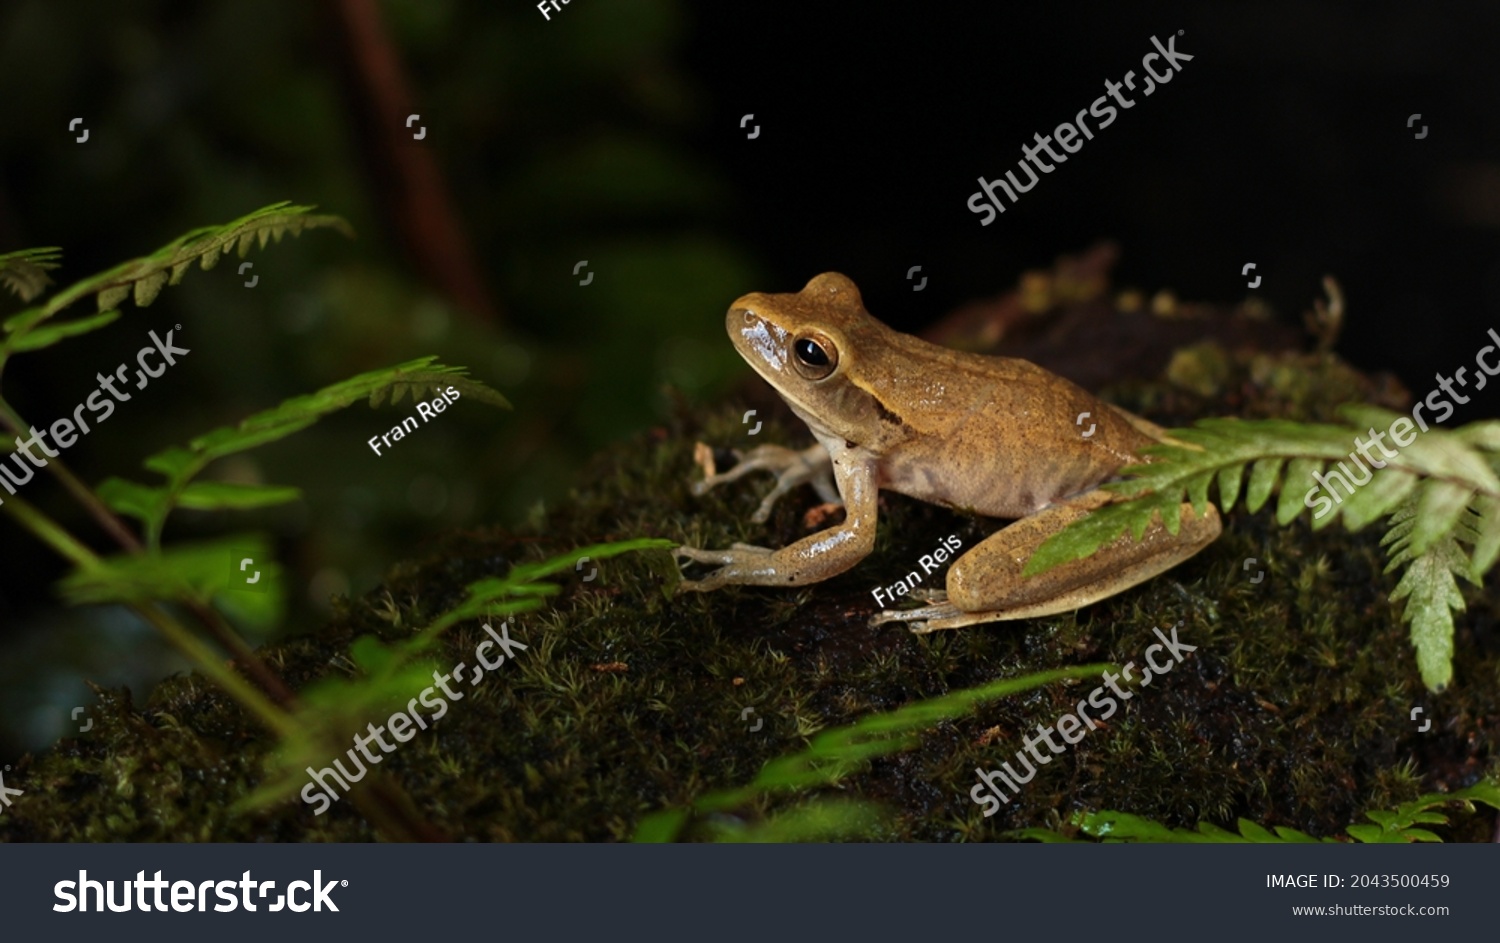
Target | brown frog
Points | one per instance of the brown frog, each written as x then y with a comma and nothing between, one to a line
994,436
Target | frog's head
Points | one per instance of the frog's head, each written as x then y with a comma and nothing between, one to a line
804,344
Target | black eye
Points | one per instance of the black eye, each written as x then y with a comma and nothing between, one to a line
816,356
811,354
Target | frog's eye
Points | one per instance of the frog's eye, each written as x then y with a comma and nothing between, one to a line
816,356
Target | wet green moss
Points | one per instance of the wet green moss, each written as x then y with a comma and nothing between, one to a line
1294,710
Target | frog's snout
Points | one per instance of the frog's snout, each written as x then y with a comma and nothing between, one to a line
759,340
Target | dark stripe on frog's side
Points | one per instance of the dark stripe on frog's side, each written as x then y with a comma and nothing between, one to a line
854,400
884,413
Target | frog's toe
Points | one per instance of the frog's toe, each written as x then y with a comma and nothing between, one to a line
697,555
919,620
936,617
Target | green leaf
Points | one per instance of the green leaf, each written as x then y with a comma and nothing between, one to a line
1085,536
1262,479
298,413
173,462
110,298
214,496
231,439
52,333
147,288
1484,434
1397,826
181,464
1197,491
198,572
821,820
493,596
833,754
1298,479
1487,543
1430,590
1292,835
1436,453
372,655
1230,477
1388,488
25,272
1446,472
132,499
1438,510
145,277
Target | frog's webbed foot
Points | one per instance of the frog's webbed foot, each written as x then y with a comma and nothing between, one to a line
733,564
791,468
938,614
933,618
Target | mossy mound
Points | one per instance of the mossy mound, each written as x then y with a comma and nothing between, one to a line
1295,709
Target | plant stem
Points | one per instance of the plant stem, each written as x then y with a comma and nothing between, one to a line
243,654
210,664
212,620
97,509
49,533
383,802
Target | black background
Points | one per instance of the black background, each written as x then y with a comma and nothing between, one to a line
1284,142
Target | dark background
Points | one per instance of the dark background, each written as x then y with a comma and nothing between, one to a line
1283,142
612,133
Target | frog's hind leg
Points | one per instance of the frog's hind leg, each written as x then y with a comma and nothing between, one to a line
986,585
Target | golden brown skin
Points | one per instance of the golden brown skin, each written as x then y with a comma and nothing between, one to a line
993,435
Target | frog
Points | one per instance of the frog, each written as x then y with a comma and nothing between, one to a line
992,436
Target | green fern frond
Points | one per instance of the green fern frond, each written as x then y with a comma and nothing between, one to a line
1445,482
179,465
1107,826
1284,456
25,272
1399,826
143,279
1428,586
834,754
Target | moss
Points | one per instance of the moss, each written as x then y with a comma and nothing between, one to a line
1294,710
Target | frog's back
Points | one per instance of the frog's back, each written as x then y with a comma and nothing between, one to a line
997,435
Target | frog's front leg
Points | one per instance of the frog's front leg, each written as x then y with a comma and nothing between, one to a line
792,468
809,560
986,585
